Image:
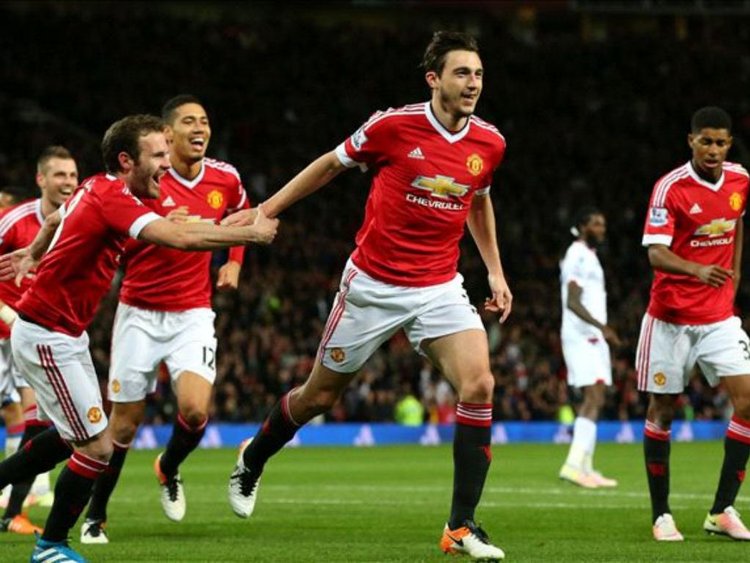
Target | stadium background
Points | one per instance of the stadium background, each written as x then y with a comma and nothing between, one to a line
594,99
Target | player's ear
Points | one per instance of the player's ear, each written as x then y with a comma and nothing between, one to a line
126,161
168,134
690,140
40,180
432,78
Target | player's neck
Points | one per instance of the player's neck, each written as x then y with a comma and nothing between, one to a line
448,120
712,175
47,207
188,170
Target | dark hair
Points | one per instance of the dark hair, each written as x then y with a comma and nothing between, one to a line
710,117
53,151
169,107
584,215
123,136
443,42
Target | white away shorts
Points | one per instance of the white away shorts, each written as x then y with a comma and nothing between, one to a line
142,339
667,353
59,369
367,312
587,360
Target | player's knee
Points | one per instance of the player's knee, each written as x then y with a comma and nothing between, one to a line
478,389
194,416
742,407
124,433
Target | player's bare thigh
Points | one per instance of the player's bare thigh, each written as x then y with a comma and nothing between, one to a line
463,358
193,397
319,393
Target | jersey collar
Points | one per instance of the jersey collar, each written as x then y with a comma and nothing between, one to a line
440,128
38,210
714,187
189,183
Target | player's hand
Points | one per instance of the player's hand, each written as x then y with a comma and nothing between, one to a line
611,336
241,218
502,299
229,276
179,214
17,265
264,228
714,275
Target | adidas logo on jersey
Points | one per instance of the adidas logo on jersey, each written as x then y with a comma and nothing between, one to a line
695,209
169,202
416,153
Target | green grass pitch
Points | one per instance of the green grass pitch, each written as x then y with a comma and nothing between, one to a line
390,504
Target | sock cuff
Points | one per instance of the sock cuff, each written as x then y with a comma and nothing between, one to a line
474,414
86,466
739,430
652,430
16,429
121,447
286,413
187,428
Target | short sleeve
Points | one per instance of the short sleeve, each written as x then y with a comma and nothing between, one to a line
366,147
125,213
497,160
573,267
660,218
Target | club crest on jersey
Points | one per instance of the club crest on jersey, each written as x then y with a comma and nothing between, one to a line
735,201
440,186
475,164
94,415
359,138
215,198
657,217
716,228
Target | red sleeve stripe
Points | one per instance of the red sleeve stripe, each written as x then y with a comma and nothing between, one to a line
474,414
63,395
86,466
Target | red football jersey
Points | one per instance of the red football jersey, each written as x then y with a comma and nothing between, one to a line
697,220
164,279
424,180
82,259
18,227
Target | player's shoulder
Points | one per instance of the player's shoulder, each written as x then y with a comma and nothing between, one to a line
665,184
219,167
734,168
488,129
18,212
394,115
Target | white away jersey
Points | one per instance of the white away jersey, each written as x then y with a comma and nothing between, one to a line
582,266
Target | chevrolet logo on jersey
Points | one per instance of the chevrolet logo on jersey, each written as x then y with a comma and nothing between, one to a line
716,228
440,186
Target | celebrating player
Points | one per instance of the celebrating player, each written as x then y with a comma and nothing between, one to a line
84,239
57,178
585,334
693,233
168,317
433,164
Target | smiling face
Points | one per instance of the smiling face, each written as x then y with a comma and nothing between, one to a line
57,178
710,148
458,87
188,133
152,163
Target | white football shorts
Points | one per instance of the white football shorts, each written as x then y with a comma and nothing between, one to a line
588,361
8,393
142,339
667,353
59,369
367,312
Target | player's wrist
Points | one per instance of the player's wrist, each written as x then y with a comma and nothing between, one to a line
8,315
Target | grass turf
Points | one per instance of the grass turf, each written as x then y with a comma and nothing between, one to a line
390,504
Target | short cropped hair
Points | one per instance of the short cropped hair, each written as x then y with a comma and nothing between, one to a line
53,151
443,42
169,107
123,136
710,117
584,216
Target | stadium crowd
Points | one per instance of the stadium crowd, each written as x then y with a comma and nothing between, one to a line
580,129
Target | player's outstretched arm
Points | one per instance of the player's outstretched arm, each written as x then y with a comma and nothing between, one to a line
316,175
206,236
575,304
481,222
661,258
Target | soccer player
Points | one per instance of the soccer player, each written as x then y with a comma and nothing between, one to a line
83,240
584,336
693,232
433,164
168,317
57,178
